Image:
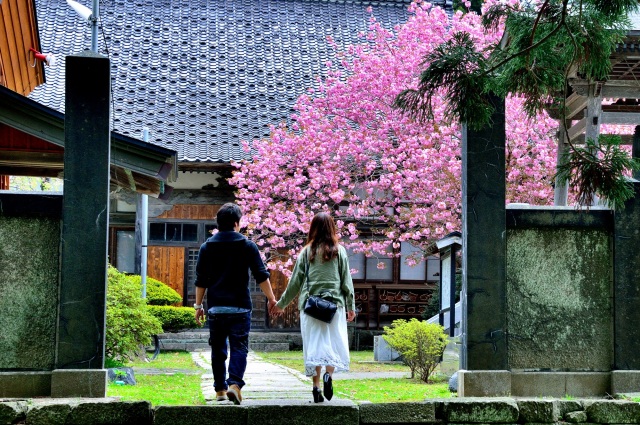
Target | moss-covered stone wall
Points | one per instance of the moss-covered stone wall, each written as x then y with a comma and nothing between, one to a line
559,309
29,261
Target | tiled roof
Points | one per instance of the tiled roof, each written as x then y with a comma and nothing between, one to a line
204,75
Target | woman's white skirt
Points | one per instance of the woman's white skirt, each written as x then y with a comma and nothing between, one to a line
325,344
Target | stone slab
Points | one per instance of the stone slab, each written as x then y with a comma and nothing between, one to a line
25,384
625,381
12,412
538,384
480,410
269,346
484,383
406,413
79,383
290,412
588,384
201,415
49,414
539,411
613,412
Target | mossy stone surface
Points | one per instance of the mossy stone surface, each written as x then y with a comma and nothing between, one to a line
559,310
29,260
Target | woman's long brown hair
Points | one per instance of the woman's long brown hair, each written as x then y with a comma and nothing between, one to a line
323,238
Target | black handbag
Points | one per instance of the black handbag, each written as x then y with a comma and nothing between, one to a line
318,307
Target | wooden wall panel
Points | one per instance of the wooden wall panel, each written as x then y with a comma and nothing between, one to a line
18,32
12,139
167,264
191,212
291,317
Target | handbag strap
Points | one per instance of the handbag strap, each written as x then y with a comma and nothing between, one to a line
306,262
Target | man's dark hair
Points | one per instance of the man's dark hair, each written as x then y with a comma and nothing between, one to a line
228,215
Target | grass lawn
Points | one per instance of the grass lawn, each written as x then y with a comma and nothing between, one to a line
383,390
361,361
159,390
388,390
184,389
167,360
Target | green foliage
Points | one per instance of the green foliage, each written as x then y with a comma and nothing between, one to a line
421,344
158,293
449,67
174,318
129,324
598,169
433,306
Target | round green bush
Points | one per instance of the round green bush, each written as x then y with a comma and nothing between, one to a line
129,324
158,293
174,318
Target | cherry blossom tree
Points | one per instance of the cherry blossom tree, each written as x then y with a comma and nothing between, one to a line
387,177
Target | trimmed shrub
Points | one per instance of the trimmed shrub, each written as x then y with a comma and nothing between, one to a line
421,344
174,318
129,323
158,293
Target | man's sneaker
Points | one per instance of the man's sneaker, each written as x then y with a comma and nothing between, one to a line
221,395
327,386
234,394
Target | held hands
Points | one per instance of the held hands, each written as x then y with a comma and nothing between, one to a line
351,316
199,315
275,311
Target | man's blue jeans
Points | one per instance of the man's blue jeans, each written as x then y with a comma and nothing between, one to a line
234,327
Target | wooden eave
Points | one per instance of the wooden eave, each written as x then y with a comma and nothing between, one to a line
18,33
147,166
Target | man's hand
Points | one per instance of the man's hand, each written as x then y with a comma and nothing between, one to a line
276,311
199,314
351,316
271,304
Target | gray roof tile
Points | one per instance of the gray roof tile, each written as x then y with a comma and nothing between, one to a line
205,75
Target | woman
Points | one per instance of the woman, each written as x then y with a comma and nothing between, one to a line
327,265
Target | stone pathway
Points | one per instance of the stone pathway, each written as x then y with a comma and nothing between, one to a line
264,381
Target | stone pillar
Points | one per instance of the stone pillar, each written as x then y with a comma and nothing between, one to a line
483,247
560,192
626,296
81,321
635,150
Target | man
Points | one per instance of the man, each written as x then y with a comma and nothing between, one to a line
222,271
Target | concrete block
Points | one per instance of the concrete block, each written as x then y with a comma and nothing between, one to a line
539,411
625,381
480,410
614,412
298,412
576,417
197,346
588,384
48,414
405,413
269,346
538,384
12,411
564,407
25,384
484,383
79,383
201,415
382,352
111,412
173,346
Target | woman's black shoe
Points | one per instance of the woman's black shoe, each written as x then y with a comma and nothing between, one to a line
317,395
328,386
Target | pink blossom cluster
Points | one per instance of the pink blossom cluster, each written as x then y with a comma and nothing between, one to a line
349,151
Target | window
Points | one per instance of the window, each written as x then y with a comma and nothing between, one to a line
173,232
126,255
407,272
368,267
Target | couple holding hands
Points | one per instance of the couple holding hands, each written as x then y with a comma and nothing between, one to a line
222,271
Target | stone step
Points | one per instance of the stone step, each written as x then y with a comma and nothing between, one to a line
269,346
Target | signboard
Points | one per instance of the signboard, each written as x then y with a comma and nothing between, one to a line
445,282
